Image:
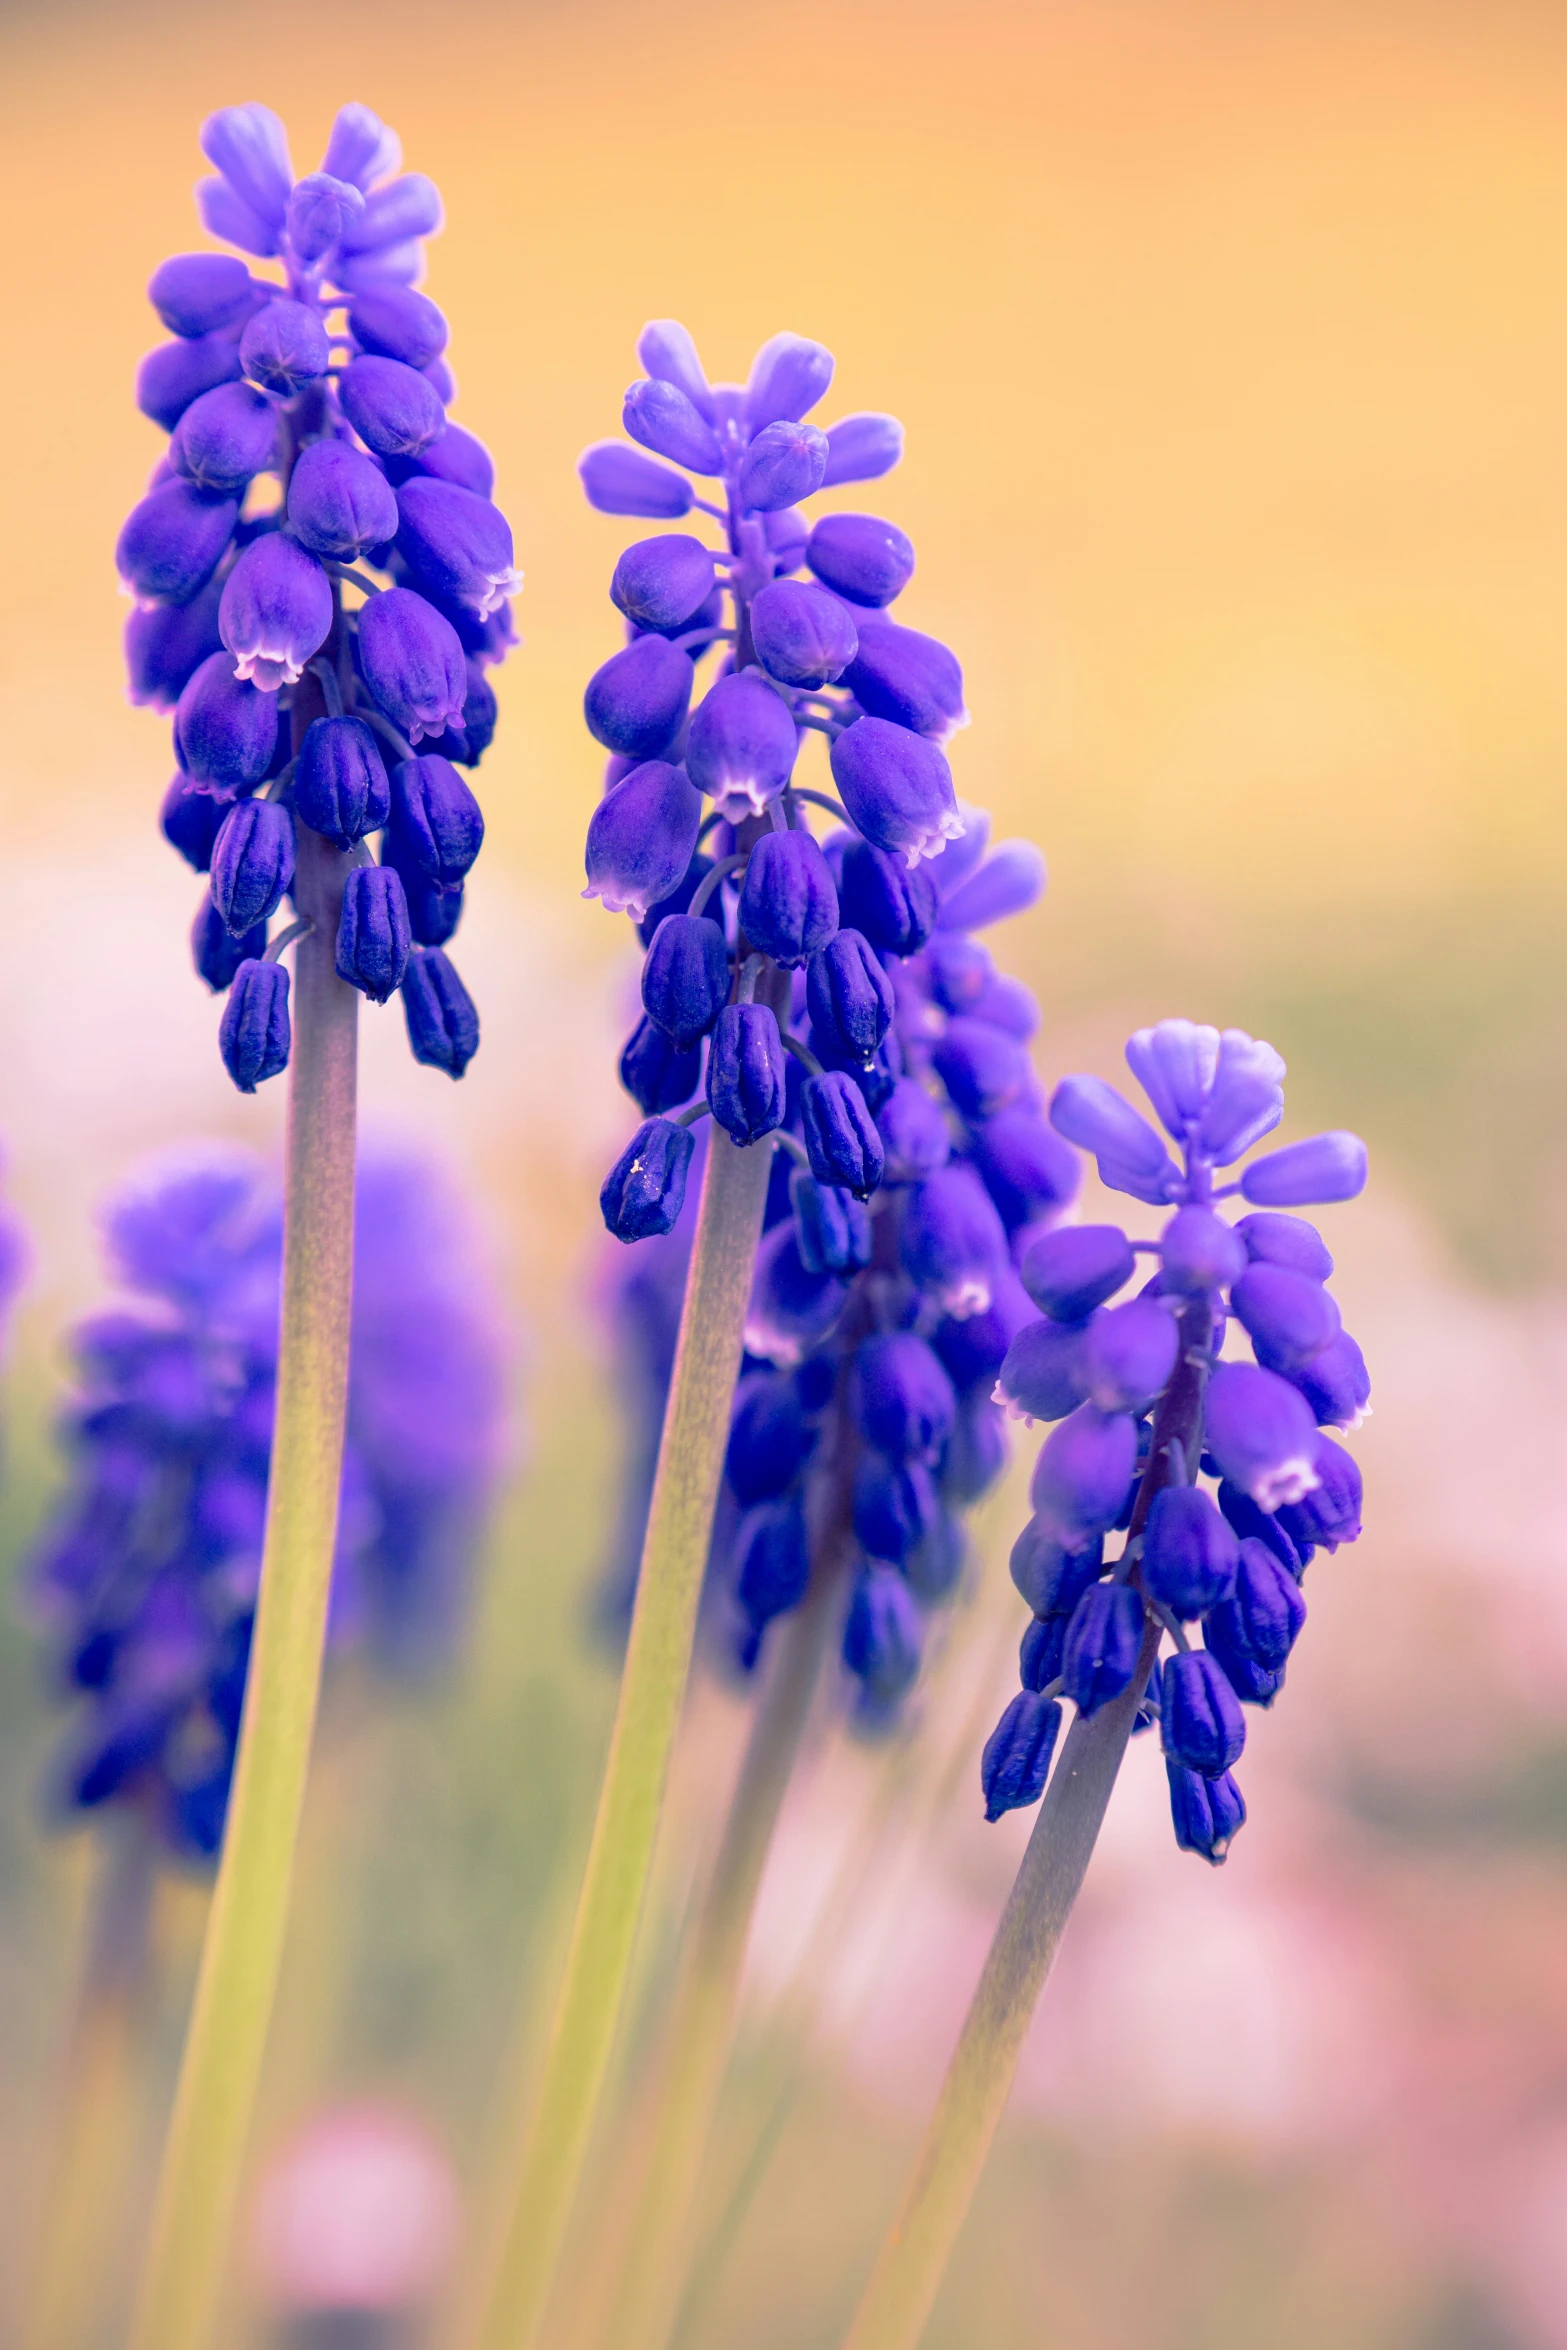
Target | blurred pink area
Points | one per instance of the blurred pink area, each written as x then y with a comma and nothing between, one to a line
359,2211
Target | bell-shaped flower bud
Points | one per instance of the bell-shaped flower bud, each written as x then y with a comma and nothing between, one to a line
861,448
657,1073
225,438
190,820
900,1398
641,837
745,1072
1010,1006
1266,1611
436,822
340,503
1286,1240
773,1560
850,995
862,559
1009,881
743,743
770,1438
934,1570
1253,1682
1042,1376
321,211
1189,1553
894,904
1068,1273
678,900
1260,1433
1049,1574
840,1134
1200,1252
1027,1169
832,1227
914,1133
341,788
458,457
1016,1760
784,463
663,419
1335,1383
618,480
199,293
173,375
224,214
373,936
1084,1469
412,663
788,905
912,679
1129,1354
1327,1167
1175,1063
685,978
284,347
165,644
249,146
1208,1814
254,1034
636,701
391,407
457,546
1330,1513
395,322
1102,1643
275,612
361,148
1129,1154
793,1308
897,788
433,912
789,375
1041,1651
1253,1524
786,531
252,864
802,635
645,1190
396,214
982,1070
173,542
215,954
1288,1317
953,1245
663,582
882,1635
977,1452
895,1506
225,732
958,970
1246,1100
667,351
442,1019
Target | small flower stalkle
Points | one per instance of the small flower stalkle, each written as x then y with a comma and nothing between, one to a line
825,997
1148,1410
309,449
145,1583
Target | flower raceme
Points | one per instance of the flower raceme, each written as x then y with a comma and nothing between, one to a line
309,448
1151,1420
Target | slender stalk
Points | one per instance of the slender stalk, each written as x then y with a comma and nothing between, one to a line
203,2160
658,1658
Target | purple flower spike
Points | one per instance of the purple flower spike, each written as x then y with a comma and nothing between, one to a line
1327,1167
341,788
1261,1434
173,375
1208,1813
340,503
1102,1643
443,1024
953,1244
413,663
660,416
254,1035
745,1072
275,612
788,905
225,438
641,838
390,406
456,545
619,480
663,582
840,1134
784,463
225,731
788,376
897,788
1190,1554
636,702
743,742
252,864
200,293
645,1189
911,679
284,347
803,636
1084,1469
862,448
173,542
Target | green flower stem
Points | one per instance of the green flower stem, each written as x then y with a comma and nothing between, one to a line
658,1659
204,2157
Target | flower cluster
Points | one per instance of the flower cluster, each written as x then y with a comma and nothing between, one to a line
825,997
299,453
1147,1409
146,1581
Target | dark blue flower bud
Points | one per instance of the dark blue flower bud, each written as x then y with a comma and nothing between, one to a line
975,1349
641,837
832,1228
897,788
802,635
1189,1554
1129,1353
225,732
340,785
793,1309
404,209
663,419
655,1071
225,438
1208,1814
953,1245
861,448
982,1070
190,820
645,1190
895,905
1016,1761
390,406
433,912
412,663
788,376
619,480
900,1398
443,1024
1288,1317
895,1506
745,1072
173,375
1039,1656
1261,1434
788,905
1200,1251
1253,1683
1068,1273
284,347
1201,1722
468,742
663,582
784,463
1027,1169
321,210
909,678
743,744
685,978
215,954
667,351
786,532
1043,1375
196,293
457,546
1243,1516
770,1438
373,937
850,995
977,1452
774,1560
165,644
252,864
1324,1167
1285,1240
934,1570
913,1132
249,146
1102,1644
1330,1513
435,820
865,560
254,1034
395,322
275,611
1083,1471
882,1635
173,541
840,1134
340,503
1264,1613
1335,1383
636,701
678,899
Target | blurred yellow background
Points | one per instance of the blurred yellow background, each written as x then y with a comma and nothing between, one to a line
1231,347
